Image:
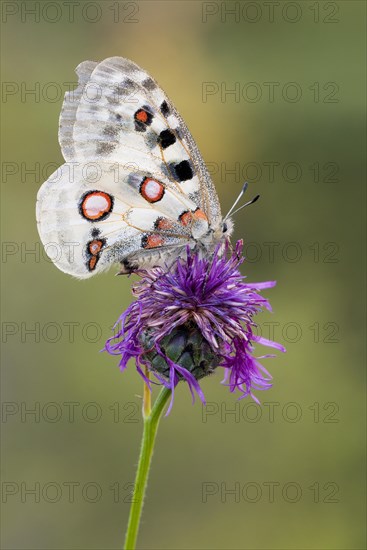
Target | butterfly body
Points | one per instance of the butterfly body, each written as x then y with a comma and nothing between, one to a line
134,188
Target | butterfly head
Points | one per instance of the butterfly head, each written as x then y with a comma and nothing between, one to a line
217,234
226,227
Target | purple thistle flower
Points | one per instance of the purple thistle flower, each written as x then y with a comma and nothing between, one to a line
193,317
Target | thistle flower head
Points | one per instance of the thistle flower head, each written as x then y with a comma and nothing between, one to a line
193,317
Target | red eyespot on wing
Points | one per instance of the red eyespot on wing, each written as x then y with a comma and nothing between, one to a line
151,190
93,250
186,218
141,116
200,215
152,241
92,263
94,247
96,205
163,224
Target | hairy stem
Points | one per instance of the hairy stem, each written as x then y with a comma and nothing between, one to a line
151,422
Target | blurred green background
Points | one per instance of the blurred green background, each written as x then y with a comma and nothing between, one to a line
296,465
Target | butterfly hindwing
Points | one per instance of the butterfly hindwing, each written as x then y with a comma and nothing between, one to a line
108,216
69,108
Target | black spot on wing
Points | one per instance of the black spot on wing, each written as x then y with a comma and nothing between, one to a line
182,171
165,110
166,138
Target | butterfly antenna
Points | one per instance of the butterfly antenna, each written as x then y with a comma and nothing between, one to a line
246,204
245,186
242,192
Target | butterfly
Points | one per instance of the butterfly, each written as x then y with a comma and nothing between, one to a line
134,188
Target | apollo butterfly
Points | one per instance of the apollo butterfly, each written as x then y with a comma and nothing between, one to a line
134,188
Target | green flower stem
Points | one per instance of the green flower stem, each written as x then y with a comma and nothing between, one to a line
146,451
